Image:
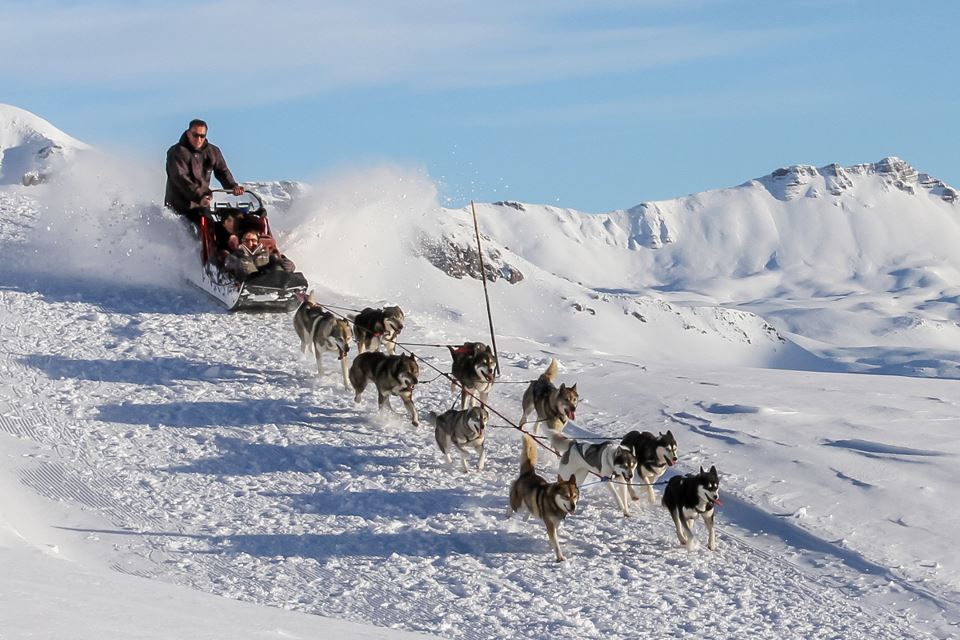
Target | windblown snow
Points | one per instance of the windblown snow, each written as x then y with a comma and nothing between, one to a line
798,331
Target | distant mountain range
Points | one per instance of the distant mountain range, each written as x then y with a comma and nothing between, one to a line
840,260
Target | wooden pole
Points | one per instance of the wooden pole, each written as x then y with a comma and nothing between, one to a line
486,295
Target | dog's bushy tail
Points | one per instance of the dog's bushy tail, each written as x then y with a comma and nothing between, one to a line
528,457
560,442
551,371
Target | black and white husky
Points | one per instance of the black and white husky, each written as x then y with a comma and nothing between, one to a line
689,496
392,375
606,459
654,454
474,367
320,331
461,429
376,326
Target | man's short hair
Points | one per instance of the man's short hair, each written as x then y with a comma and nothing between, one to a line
196,122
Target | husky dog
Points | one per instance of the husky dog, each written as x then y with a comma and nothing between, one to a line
554,406
654,454
474,367
393,376
606,459
689,496
376,326
549,501
321,331
461,429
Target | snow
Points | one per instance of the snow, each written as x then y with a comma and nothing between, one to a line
158,452
30,147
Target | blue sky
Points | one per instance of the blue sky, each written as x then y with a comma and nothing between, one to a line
592,105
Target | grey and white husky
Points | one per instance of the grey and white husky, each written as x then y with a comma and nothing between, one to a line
320,331
554,406
376,326
392,375
548,501
654,454
689,496
606,459
474,367
462,429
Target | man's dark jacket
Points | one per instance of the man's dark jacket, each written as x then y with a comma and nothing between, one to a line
188,174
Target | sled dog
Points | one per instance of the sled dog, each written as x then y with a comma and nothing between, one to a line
321,331
375,326
548,501
474,367
606,459
654,454
461,429
554,406
392,375
689,496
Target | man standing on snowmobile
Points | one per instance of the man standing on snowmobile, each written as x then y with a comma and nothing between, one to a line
189,164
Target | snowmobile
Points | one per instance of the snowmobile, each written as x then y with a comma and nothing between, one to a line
268,290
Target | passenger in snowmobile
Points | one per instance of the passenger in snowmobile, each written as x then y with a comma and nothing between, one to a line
253,257
189,165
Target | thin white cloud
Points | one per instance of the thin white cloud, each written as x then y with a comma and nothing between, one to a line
289,48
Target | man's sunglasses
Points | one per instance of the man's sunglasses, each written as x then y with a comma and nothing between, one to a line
198,135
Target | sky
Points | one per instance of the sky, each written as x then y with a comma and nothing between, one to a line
595,105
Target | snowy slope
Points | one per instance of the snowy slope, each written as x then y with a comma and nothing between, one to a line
148,435
860,263
30,147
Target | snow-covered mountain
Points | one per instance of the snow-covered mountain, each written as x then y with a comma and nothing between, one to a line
874,241
30,147
146,437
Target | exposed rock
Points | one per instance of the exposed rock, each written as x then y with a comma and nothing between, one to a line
512,204
457,261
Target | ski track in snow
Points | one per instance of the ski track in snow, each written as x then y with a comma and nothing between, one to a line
218,460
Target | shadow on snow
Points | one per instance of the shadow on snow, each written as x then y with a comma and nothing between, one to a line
241,457
238,413
155,371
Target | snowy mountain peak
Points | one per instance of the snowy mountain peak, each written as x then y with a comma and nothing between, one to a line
802,180
31,147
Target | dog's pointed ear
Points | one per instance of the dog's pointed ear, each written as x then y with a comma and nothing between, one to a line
669,433
573,479
574,387
563,385
713,470
702,471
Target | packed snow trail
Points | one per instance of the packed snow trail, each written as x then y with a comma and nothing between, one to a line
216,459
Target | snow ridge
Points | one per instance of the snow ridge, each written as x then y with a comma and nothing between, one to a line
30,147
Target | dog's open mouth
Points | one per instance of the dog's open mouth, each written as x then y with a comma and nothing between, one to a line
571,414
489,377
671,462
717,502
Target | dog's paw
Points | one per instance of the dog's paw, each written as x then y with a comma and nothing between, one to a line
712,546
561,558
692,545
